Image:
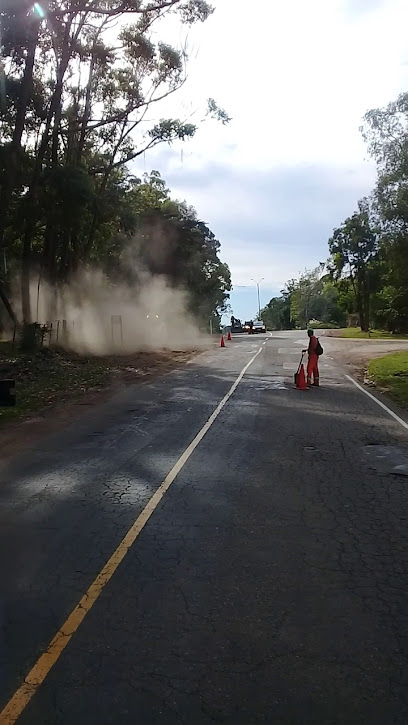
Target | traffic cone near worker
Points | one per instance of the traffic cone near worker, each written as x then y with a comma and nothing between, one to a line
314,351
300,378
229,335
222,343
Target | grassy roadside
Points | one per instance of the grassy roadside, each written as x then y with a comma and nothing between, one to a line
52,376
390,374
355,333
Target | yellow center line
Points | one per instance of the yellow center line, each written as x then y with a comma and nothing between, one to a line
47,660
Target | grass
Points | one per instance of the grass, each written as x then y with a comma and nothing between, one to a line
390,374
46,376
356,333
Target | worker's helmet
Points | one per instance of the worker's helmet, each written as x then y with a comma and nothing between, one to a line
310,332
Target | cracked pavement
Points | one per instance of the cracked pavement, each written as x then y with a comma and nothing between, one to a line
269,586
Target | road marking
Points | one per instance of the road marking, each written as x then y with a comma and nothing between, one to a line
379,402
47,660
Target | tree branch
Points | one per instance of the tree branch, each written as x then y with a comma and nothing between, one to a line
119,117
124,7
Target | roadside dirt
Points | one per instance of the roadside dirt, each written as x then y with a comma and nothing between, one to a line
69,405
355,354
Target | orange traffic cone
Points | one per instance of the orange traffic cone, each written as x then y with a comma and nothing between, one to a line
301,380
222,344
229,335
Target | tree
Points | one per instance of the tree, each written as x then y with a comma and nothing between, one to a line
76,112
311,297
304,295
170,240
353,249
276,314
386,132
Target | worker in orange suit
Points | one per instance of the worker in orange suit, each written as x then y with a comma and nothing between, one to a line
312,364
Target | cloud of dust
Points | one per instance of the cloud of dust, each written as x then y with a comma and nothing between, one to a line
94,316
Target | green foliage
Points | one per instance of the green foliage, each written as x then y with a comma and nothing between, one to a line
195,10
353,255
276,314
386,133
171,129
217,113
312,299
319,325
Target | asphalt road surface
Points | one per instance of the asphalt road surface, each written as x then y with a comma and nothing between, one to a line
269,584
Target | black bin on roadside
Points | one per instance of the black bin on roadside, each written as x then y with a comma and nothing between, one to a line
7,393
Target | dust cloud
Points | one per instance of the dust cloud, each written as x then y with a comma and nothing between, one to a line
104,318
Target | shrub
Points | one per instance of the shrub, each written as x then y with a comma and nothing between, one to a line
319,325
32,336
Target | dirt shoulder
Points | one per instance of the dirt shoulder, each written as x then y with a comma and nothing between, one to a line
54,388
357,361
378,363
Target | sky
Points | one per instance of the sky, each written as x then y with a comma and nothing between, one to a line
296,78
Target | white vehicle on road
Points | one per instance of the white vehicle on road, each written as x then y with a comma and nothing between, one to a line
257,326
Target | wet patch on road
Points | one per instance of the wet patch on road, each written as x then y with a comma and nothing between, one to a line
387,459
275,383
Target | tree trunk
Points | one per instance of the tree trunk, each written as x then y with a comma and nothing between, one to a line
6,302
364,302
87,112
25,290
74,249
50,252
64,259
15,146
363,318
53,111
367,313
95,217
12,164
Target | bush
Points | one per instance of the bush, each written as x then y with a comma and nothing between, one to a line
32,336
319,325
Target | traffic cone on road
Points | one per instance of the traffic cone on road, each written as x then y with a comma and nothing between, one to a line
222,343
229,335
301,380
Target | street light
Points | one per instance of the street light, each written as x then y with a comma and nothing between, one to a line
259,299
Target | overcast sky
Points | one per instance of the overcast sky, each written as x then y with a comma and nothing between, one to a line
296,77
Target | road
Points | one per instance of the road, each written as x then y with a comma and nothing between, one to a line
269,583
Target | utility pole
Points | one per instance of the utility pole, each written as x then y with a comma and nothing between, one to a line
259,299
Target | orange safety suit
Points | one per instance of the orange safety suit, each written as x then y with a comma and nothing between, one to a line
312,364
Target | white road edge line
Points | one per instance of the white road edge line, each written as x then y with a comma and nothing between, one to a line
379,402
200,435
51,654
